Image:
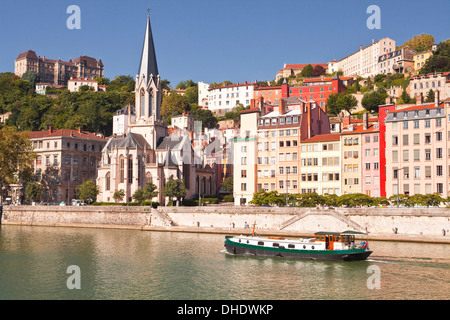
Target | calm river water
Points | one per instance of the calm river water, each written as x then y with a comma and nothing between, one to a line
138,265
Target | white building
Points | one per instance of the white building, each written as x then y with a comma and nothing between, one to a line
122,119
74,84
203,93
364,62
223,99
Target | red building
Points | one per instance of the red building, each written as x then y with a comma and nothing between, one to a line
318,89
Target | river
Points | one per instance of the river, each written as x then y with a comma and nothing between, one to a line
144,265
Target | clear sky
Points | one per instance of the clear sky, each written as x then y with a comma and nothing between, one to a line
211,40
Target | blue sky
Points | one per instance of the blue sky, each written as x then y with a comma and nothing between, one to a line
211,40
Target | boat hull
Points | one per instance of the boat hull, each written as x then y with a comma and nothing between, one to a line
334,255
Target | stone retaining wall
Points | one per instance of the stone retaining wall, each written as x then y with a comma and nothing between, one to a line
433,222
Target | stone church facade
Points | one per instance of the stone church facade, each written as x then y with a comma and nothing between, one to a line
146,153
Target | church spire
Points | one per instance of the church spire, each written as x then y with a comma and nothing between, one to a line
148,63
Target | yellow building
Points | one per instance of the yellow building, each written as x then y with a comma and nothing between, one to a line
420,59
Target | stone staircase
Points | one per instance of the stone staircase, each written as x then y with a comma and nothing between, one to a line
335,214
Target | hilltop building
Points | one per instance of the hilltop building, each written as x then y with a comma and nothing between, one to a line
58,72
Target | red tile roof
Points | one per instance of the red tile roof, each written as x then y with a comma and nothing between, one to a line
325,79
324,137
65,133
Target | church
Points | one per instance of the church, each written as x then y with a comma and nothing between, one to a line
145,152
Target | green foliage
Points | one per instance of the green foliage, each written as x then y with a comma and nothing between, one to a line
371,100
307,71
16,158
227,184
92,111
174,188
338,102
355,200
206,117
33,191
430,96
420,43
118,195
88,191
148,193
439,61
228,198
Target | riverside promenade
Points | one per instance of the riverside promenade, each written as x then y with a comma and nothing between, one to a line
389,224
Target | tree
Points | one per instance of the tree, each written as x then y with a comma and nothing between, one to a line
148,193
338,102
372,100
206,117
439,61
118,195
191,95
88,191
318,71
16,158
227,184
33,191
420,43
430,96
174,104
33,77
174,188
307,71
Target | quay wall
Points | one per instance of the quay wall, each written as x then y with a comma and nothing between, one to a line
396,222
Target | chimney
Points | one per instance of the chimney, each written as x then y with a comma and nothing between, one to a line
79,129
282,106
50,129
419,99
365,120
308,119
389,100
361,47
436,98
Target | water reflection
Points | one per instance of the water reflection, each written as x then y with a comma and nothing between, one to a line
126,264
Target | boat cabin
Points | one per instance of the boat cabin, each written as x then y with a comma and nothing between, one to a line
336,240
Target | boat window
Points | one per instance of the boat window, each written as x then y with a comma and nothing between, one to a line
260,243
312,247
275,244
291,246
239,240
304,247
248,241
338,238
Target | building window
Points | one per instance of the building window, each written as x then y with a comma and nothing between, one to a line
121,169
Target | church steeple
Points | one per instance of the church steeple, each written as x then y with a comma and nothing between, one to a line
148,65
148,84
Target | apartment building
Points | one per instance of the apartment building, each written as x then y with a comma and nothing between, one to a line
421,58
370,158
351,159
401,61
65,159
364,62
417,150
275,147
245,158
420,85
319,89
224,98
320,169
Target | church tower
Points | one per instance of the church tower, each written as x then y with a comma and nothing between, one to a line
148,94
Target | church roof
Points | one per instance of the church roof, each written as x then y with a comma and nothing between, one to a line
148,65
172,143
130,141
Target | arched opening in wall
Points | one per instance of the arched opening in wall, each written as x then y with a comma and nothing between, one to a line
121,169
142,104
108,181
130,169
150,103
148,178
